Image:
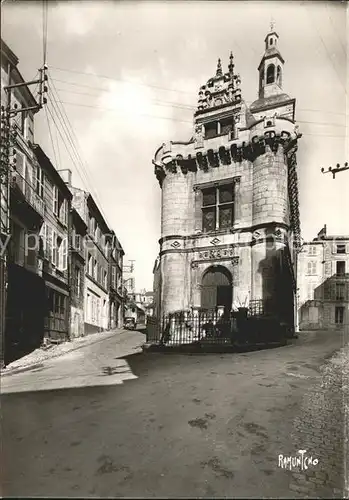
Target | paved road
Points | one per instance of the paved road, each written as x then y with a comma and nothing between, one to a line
169,425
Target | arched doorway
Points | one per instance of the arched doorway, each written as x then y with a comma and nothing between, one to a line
216,288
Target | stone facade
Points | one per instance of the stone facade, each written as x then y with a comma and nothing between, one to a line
116,300
77,275
54,232
230,201
323,283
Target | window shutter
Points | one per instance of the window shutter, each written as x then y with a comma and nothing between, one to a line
197,210
65,254
43,235
53,247
60,256
66,212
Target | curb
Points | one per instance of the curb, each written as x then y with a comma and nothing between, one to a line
38,364
213,348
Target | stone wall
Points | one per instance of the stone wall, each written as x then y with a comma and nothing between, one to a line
260,178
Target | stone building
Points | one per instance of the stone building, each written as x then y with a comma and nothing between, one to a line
77,274
96,291
54,232
116,299
323,283
22,209
229,213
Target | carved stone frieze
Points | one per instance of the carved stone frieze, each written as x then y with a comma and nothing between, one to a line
217,253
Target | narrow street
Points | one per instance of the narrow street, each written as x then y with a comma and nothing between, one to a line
108,420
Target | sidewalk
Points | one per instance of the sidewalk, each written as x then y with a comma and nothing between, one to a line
321,429
40,355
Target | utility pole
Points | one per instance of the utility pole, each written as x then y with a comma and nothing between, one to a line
7,164
335,170
130,267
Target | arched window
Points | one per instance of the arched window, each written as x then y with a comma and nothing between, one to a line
271,74
271,42
279,76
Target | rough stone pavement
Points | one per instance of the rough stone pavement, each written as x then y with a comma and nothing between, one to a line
165,426
321,428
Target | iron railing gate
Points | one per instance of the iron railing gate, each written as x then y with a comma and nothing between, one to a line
256,323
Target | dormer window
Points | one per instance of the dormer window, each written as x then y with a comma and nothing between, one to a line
271,73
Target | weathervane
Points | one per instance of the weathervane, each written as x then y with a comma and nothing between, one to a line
272,24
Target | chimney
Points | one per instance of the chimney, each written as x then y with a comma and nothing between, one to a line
66,175
322,233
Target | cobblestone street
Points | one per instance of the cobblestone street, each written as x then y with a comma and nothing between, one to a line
175,425
322,429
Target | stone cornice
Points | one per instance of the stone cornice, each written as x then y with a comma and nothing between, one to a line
247,229
261,141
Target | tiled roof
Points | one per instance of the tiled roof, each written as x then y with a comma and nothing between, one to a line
269,101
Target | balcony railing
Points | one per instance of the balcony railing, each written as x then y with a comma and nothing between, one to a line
27,190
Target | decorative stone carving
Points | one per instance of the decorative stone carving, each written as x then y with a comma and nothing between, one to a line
175,244
172,167
256,235
194,265
215,241
217,253
220,89
198,129
235,261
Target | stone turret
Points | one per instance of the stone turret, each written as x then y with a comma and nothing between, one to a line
228,192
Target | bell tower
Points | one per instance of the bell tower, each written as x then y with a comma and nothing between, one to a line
271,67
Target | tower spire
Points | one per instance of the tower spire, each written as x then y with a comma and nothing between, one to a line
272,24
231,63
219,71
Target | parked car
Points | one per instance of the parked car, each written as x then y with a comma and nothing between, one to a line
130,323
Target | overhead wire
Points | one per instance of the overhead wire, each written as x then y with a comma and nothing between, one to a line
54,111
68,124
170,103
71,137
68,149
325,47
122,80
49,129
177,119
335,31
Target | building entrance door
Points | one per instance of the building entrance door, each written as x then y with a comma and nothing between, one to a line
216,288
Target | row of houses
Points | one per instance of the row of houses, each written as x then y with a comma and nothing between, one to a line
323,282
64,263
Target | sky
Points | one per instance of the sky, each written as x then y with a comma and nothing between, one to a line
128,74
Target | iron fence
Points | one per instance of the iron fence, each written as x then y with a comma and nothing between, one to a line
187,327
255,323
